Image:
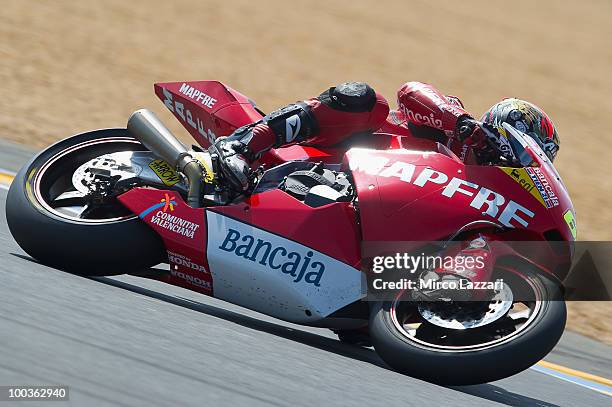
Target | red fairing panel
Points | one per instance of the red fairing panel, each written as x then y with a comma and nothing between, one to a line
429,196
297,152
207,109
330,229
328,155
183,231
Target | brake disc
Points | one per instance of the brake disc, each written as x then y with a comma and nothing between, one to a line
468,315
115,166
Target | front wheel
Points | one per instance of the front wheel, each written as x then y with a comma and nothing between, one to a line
406,339
54,224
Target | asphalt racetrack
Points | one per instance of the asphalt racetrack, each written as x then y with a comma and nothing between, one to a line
128,341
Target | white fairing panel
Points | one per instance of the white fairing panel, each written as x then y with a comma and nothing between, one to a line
277,276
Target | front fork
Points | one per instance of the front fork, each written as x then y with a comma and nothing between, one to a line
471,260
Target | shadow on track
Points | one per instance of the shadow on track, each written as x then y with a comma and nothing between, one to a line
485,391
500,395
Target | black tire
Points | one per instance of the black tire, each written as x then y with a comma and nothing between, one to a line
470,366
89,249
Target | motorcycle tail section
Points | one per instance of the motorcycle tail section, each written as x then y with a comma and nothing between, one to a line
207,109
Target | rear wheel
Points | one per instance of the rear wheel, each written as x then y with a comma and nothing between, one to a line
427,342
60,227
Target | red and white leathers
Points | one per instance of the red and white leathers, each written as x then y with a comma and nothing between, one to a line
425,116
424,105
354,107
418,103
331,121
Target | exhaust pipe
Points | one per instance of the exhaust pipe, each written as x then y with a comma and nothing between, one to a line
151,132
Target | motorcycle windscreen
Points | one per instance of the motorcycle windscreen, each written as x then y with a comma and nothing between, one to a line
548,185
207,109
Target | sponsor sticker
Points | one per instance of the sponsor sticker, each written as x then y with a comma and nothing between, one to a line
175,224
209,175
301,265
197,96
164,218
187,116
166,203
570,219
198,282
543,186
429,120
269,273
165,172
293,125
520,176
185,261
507,212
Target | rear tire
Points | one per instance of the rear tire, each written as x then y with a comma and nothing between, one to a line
85,248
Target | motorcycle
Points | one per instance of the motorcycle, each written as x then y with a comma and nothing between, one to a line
116,201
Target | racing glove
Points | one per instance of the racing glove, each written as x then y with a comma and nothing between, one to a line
486,142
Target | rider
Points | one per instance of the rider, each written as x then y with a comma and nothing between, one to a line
354,107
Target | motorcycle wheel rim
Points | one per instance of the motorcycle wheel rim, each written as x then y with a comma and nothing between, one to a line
44,191
409,331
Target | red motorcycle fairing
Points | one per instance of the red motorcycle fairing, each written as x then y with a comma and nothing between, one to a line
270,253
279,213
207,109
183,232
434,195
429,196
331,155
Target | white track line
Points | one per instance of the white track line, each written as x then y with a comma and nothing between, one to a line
8,172
601,388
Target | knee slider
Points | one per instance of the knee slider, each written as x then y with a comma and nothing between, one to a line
350,97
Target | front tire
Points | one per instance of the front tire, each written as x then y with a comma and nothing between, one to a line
90,247
467,365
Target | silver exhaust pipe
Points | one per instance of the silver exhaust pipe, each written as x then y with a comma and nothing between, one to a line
151,132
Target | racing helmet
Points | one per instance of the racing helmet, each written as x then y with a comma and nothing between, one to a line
527,118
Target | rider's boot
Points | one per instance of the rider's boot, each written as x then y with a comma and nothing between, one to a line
293,123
